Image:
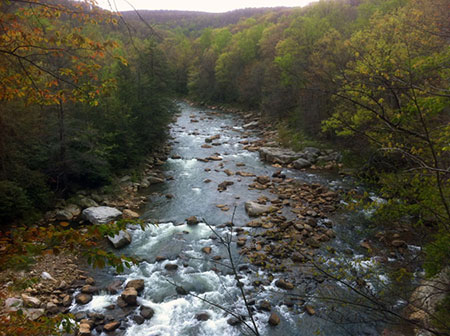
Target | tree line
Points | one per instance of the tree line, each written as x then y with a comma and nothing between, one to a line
80,101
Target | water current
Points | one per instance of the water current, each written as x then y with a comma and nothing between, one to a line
200,274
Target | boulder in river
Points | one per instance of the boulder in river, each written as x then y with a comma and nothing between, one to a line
212,138
110,327
278,155
224,185
192,220
255,209
274,319
203,316
83,299
101,215
147,312
137,284
123,238
129,295
301,163
283,284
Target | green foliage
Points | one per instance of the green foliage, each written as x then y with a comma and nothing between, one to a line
438,254
442,315
294,139
13,201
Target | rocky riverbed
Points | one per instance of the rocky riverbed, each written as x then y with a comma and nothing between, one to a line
225,179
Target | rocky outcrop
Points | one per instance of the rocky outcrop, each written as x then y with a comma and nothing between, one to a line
426,297
278,155
300,160
101,215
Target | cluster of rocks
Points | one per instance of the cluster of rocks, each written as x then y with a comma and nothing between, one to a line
127,302
284,239
51,292
125,197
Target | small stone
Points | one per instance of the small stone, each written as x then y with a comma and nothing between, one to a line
33,313
90,281
30,301
310,310
160,258
137,284
129,295
398,243
233,321
13,304
265,305
83,299
171,267
274,319
84,330
88,289
52,308
130,214
111,326
283,284
192,220
147,312
138,319
121,302
207,250
181,291
202,316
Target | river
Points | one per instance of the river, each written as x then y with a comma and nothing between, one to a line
192,189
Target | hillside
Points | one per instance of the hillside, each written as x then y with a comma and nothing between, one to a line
196,21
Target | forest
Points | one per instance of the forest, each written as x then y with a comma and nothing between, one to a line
87,95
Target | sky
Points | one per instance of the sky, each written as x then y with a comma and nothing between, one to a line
215,6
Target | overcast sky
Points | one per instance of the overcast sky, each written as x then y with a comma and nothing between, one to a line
198,5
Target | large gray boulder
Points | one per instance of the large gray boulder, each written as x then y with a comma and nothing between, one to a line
121,239
101,214
278,155
255,209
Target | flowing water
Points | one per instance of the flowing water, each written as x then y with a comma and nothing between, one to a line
182,244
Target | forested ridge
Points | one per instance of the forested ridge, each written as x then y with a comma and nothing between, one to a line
86,95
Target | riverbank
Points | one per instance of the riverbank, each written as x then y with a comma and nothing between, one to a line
44,285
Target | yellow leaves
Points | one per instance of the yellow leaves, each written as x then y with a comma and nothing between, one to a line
64,224
122,60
